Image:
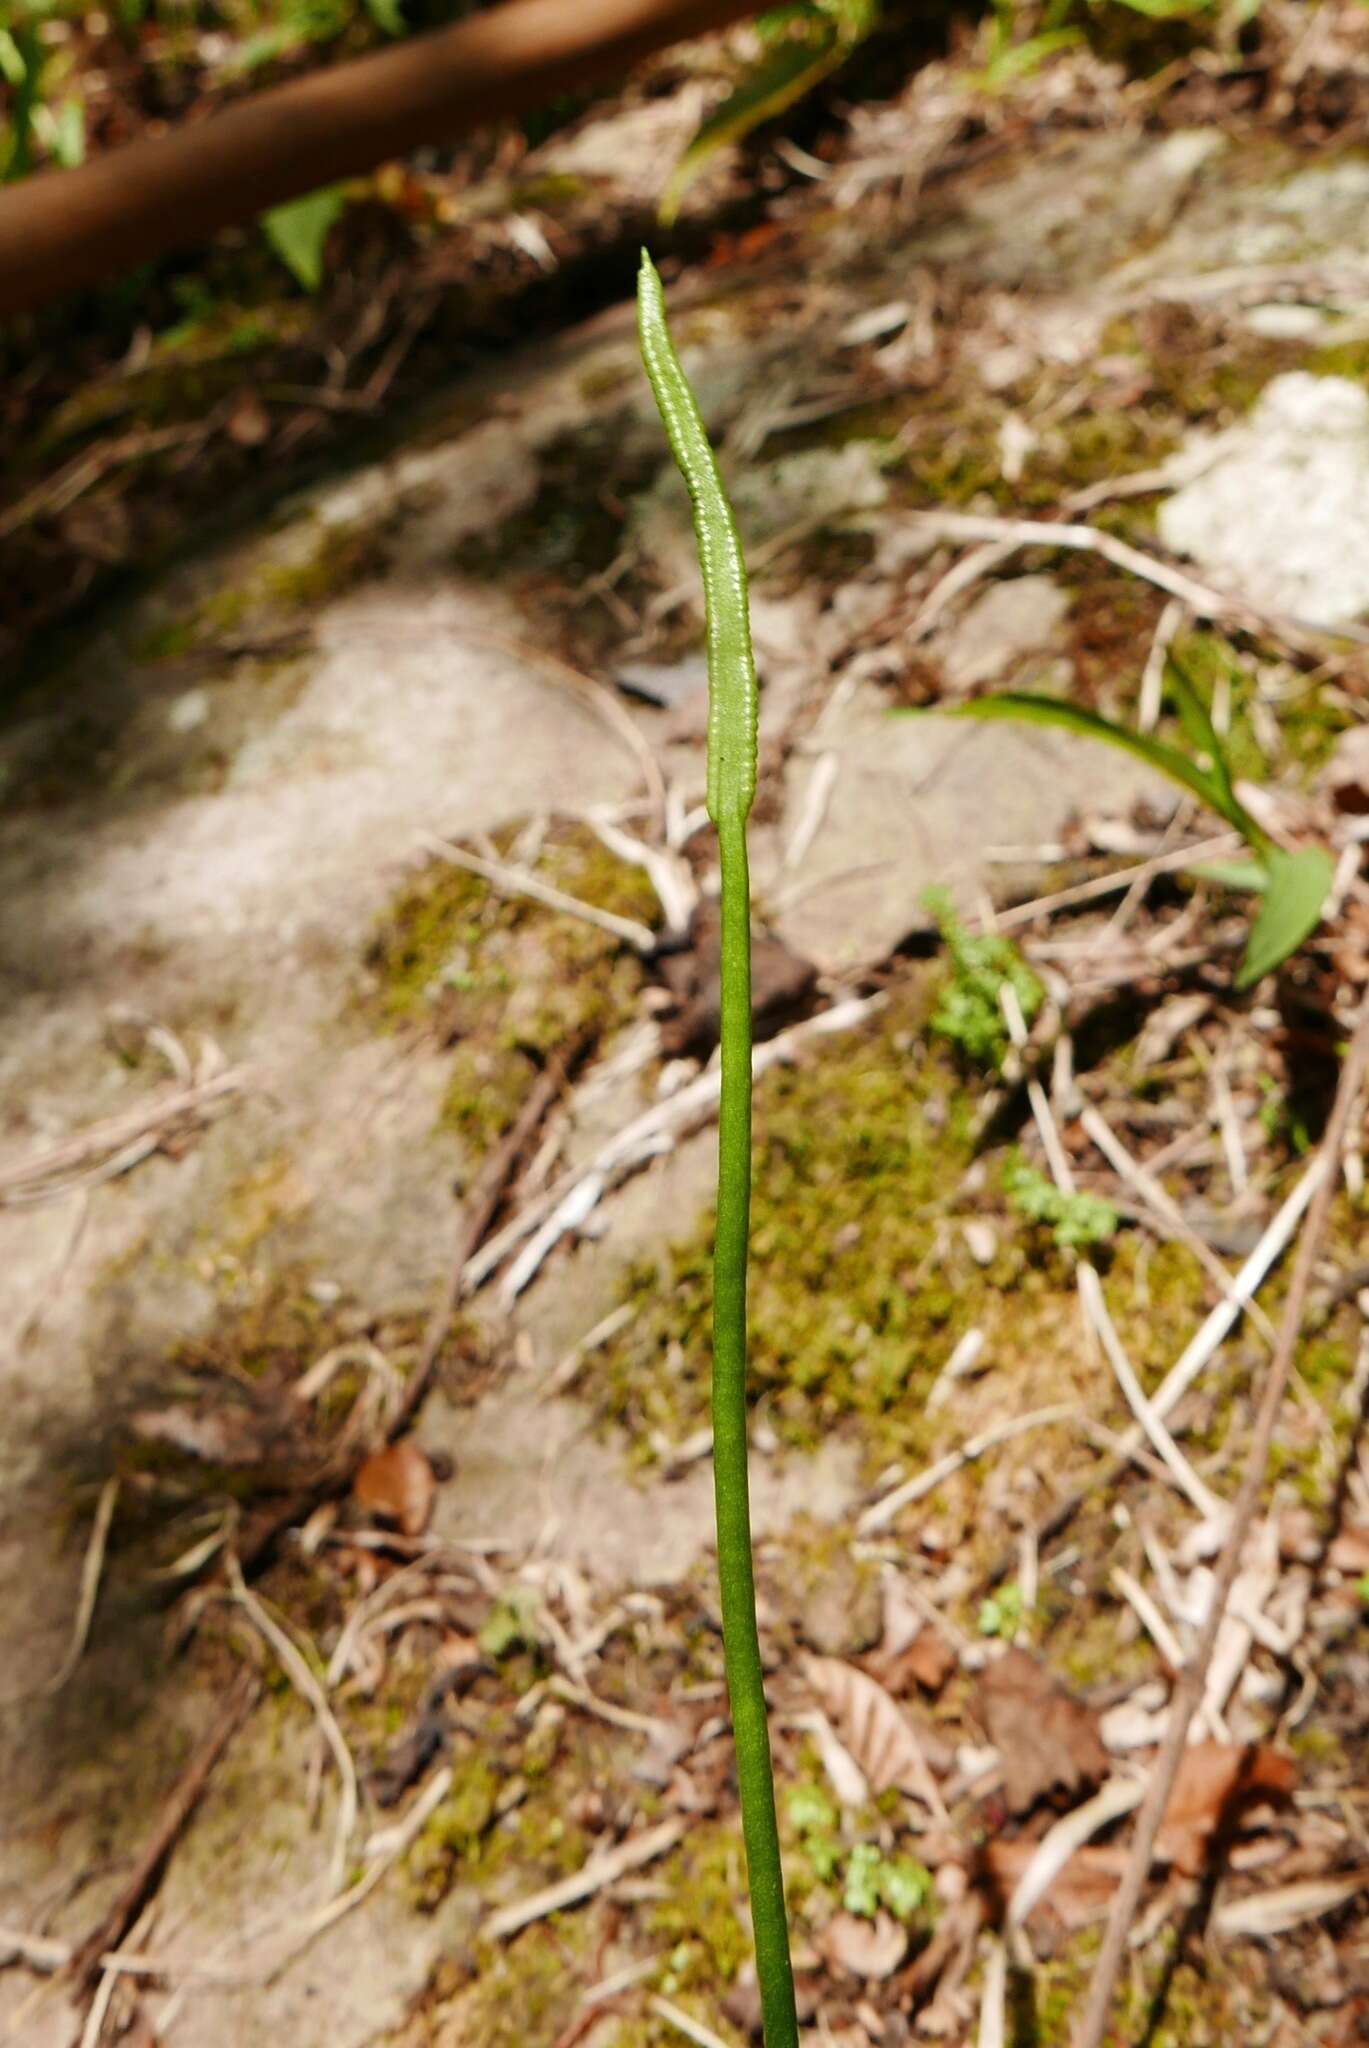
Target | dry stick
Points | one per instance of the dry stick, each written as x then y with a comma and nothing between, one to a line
88,1959
1202,598
1192,1682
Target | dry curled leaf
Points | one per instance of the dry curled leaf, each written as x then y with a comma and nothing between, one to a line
876,1733
1080,1892
864,1948
399,1484
1048,1740
1216,1782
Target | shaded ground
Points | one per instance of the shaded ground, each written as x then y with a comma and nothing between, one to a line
219,860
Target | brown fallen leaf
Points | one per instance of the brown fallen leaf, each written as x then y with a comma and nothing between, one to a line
1047,1739
879,1736
1349,1553
1080,1892
1217,1781
863,1948
929,1661
397,1483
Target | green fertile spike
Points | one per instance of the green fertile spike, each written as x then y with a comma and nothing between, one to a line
731,786
731,670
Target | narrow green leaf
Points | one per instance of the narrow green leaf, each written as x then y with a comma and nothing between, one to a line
1029,708
1291,909
783,75
1232,874
298,231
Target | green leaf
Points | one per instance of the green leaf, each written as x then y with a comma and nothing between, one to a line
1291,909
298,231
1204,738
1232,874
904,1886
387,15
789,68
861,1895
1027,707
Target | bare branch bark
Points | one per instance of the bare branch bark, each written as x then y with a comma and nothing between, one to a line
64,229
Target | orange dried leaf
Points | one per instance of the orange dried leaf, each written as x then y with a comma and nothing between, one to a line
397,1484
1216,1782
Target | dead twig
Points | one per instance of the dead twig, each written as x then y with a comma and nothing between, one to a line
601,1870
91,1569
109,1148
89,1959
510,881
1204,599
1191,1688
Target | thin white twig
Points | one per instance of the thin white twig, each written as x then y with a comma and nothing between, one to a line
993,2008
305,1683
1186,1479
1096,1127
1118,882
1153,675
683,2023
601,1870
1165,1640
1204,599
521,882
816,798
92,1567
881,1512
656,1128
1059,1843
1199,1350
669,874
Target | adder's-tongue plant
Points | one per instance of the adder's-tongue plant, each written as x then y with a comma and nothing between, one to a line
731,787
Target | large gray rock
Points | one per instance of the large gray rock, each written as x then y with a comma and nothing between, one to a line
922,800
1281,511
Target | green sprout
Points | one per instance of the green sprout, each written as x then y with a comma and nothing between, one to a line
1001,1613
731,785
874,1880
1075,1221
969,1011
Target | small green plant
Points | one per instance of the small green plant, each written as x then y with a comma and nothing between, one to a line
1001,1614
969,1010
1292,886
729,790
1012,55
814,1818
1075,1221
801,44
874,1880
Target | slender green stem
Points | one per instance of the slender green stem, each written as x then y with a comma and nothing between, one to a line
731,786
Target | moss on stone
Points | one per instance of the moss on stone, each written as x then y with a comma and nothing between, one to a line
504,980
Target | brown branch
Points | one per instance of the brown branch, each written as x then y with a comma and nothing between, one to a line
1193,1679
64,229
184,1797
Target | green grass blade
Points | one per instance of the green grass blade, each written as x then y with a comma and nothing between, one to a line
1289,911
1027,707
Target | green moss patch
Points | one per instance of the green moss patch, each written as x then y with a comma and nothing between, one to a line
502,980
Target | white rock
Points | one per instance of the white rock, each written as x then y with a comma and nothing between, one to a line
1283,510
